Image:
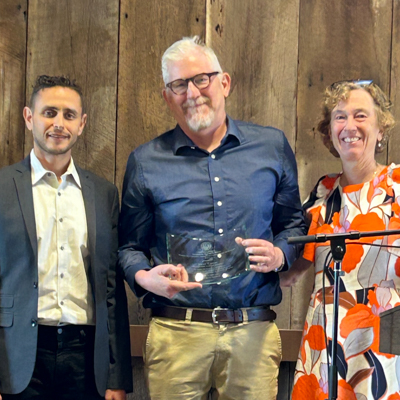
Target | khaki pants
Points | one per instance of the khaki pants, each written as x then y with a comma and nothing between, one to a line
184,359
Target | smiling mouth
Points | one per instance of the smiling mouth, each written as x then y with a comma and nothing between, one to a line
351,139
53,136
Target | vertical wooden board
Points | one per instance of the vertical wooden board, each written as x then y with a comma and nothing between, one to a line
80,39
13,28
12,80
147,29
283,319
394,142
338,40
257,43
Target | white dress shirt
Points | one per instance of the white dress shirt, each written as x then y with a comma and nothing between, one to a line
65,293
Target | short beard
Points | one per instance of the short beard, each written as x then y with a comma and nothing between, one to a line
199,120
54,152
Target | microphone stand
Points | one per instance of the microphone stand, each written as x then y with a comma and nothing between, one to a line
338,248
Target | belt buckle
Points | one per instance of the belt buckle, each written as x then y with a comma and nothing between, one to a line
214,314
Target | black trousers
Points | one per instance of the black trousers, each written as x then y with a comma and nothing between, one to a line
64,365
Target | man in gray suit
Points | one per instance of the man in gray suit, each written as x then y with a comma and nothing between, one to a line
63,316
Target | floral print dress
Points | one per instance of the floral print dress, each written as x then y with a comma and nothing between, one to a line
370,285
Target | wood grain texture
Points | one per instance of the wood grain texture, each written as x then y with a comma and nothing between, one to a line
12,80
80,39
256,42
338,40
394,141
147,30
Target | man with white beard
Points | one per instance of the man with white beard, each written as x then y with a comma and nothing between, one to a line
206,178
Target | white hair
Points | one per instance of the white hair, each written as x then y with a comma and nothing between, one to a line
180,49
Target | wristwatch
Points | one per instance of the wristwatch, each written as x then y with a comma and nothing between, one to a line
280,268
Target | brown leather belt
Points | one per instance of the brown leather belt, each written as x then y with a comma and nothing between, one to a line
217,315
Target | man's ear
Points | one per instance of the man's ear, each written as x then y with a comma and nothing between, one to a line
27,113
226,83
165,95
82,125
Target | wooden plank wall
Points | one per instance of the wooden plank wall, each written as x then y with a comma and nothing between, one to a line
13,25
280,54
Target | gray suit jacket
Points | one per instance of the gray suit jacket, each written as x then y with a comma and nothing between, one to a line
19,281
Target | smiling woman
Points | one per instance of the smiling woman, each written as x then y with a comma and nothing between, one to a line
365,196
339,93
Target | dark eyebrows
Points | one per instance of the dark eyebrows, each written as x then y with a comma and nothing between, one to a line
64,110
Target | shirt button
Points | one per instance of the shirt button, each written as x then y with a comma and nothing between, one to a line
216,179
35,285
213,156
59,193
220,230
193,147
61,275
62,248
220,203
48,174
33,322
61,220
62,303
59,331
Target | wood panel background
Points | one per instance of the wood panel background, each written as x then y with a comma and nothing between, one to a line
281,55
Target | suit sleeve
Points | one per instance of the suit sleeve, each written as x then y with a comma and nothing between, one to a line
120,370
136,225
288,215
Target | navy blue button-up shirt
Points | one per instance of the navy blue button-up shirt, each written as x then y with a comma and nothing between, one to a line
172,186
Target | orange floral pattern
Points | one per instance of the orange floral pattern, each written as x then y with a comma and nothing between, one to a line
370,286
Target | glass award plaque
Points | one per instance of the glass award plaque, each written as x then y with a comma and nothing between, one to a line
208,260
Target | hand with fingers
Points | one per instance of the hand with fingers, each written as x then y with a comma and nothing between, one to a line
166,280
263,255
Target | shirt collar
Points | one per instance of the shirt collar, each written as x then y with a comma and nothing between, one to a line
182,140
38,171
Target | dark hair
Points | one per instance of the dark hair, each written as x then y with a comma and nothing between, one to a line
45,81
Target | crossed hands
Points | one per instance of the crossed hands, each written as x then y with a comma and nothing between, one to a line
165,280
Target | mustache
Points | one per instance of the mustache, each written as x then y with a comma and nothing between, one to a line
196,102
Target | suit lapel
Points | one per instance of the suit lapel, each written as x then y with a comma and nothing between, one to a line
23,185
88,193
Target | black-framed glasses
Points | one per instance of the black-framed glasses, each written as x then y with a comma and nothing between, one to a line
201,81
358,82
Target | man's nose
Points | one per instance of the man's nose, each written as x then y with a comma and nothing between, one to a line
192,91
59,122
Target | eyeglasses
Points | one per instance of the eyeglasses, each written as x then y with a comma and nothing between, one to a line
201,81
358,82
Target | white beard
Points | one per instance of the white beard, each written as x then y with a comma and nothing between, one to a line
199,118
